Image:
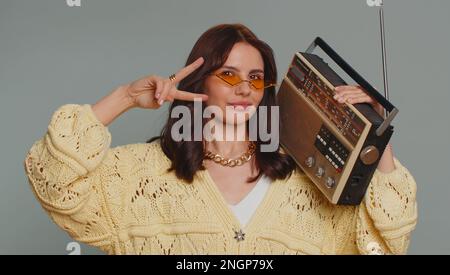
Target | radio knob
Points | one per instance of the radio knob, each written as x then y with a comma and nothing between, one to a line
330,182
320,171
310,161
369,155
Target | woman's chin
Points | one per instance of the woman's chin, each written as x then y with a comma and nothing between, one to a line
236,123
237,119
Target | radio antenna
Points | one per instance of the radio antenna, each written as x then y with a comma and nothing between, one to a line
383,53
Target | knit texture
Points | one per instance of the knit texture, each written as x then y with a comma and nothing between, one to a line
124,201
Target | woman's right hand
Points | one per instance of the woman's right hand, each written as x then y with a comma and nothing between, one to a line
151,92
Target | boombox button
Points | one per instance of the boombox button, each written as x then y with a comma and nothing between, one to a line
330,182
320,172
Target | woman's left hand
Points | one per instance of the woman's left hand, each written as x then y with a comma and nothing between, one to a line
355,94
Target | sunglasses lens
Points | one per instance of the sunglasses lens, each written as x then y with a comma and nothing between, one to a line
258,83
230,79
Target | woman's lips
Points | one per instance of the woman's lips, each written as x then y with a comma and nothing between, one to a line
239,106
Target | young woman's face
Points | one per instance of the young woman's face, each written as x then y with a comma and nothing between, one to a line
242,99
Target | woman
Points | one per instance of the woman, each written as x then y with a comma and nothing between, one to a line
169,197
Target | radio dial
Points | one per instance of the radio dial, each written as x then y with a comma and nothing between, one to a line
310,161
330,182
320,172
369,155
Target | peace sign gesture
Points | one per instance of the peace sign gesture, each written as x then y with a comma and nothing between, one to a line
150,92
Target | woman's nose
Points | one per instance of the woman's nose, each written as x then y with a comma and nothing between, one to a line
244,88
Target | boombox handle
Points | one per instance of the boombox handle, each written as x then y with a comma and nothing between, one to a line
391,109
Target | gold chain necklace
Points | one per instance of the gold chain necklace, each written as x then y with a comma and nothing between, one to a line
232,162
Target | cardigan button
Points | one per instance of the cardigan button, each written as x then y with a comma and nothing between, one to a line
239,235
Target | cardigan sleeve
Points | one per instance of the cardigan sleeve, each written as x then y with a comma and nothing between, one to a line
71,170
383,222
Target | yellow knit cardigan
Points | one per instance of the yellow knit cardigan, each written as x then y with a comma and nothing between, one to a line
123,201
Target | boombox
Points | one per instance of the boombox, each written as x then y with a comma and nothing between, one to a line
337,145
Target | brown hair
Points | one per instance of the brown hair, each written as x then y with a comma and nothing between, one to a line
214,46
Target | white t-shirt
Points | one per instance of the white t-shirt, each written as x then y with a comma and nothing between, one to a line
247,206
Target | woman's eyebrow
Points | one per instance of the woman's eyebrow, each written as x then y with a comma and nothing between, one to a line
237,70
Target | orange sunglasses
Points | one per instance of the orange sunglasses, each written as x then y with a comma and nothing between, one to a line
234,79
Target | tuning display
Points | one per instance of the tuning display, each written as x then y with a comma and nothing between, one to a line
321,95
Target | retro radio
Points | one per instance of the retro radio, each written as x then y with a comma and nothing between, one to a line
337,145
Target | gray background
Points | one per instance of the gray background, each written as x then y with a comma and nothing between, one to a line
51,54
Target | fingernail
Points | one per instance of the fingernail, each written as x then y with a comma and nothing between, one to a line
335,96
157,96
160,102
